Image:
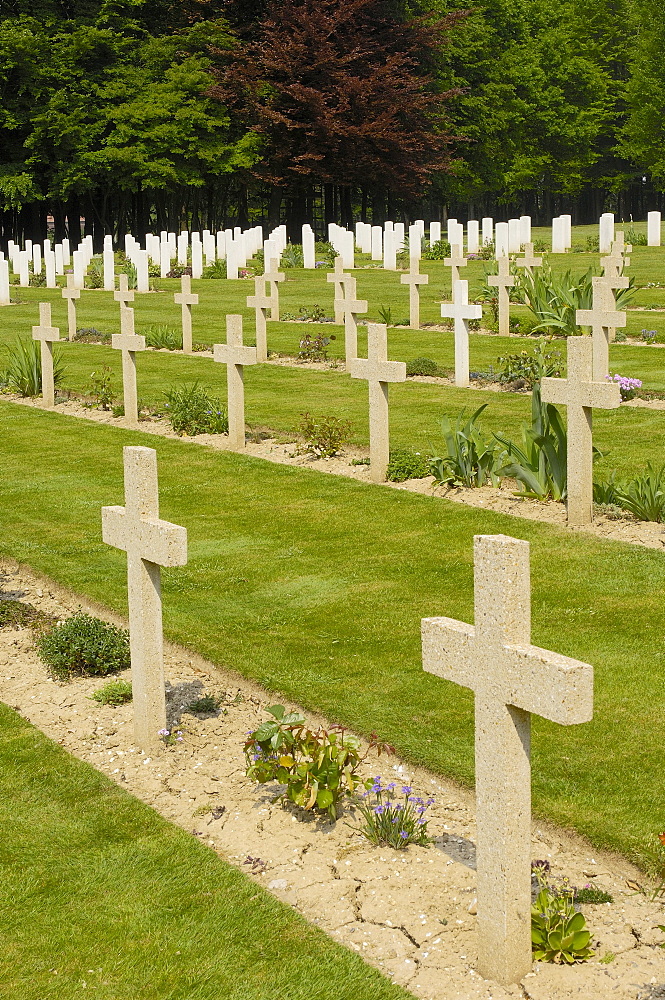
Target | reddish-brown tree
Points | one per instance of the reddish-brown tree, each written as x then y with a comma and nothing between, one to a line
343,93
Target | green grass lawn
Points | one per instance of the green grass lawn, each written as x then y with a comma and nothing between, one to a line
99,896
315,585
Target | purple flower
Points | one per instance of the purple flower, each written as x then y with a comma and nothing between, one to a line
390,787
403,834
406,789
163,732
378,810
421,821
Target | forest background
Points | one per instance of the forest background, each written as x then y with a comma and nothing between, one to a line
149,114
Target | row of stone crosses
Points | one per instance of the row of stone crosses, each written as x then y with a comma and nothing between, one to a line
510,678
584,388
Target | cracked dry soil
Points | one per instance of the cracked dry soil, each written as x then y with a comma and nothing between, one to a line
409,913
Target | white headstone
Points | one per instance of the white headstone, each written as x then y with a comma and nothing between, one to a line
5,297
308,248
653,229
606,232
525,229
434,233
377,243
472,236
461,312
197,258
109,270
49,267
514,236
501,240
487,226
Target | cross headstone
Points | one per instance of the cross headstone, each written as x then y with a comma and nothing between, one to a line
274,276
461,312
150,543
262,303
601,318
580,392
235,355
70,293
47,335
129,343
414,279
378,371
511,680
124,294
350,306
503,281
338,278
529,261
186,299
455,261
614,279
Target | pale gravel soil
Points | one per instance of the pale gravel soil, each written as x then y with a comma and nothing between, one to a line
410,913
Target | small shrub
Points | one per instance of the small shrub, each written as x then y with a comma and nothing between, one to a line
636,239
216,270
405,465
627,386
540,464
90,335
100,389
192,410
593,244
292,256
116,692
324,436
648,336
95,276
558,930
314,348
325,254
163,337
23,373
205,705
178,270
84,645
308,314
469,459
437,251
37,280
644,496
386,315
488,250
529,368
593,895
422,366
318,766
16,614
391,821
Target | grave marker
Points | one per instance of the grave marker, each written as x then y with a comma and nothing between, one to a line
461,312
186,299
455,261
511,680
235,355
580,392
378,372
150,543
414,279
47,335
528,261
350,307
129,343
274,276
601,318
338,278
262,304
70,293
503,281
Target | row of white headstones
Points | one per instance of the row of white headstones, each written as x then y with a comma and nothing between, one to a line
585,387
511,679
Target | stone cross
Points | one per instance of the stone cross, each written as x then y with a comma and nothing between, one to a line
503,281
455,261
413,279
262,303
235,356
461,312
47,334
124,294
274,276
149,543
379,372
601,318
70,293
528,261
338,278
128,342
614,279
511,680
186,299
350,307
580,392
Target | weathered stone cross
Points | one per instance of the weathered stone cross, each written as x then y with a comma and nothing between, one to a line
47,334
350,307
274,276
528,261
379,372
261,302
235,355
601,318
339,279
511,679
503,281
70,293
461,312
186,299
614,279
455,261
124,294
413,279
149,543
580,392
128,342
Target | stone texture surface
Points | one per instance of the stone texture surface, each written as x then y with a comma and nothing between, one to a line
503,281
71,293
511,679
149,543
262,303
414,279
379,372
273,275
47,335
461,312
601,318
348,308
235,355
185,298
529,260
129,343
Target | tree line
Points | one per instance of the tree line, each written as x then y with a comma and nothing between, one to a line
150,114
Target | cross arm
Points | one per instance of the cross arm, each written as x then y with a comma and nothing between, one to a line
590,317
449,650
601,395
548,684
378,371
453,311
128,342
236,355
154,540
355,305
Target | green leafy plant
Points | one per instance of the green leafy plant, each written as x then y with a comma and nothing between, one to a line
644,496
95,276
216,270
636,239
37,280
178,270
116,692
529,367
205,705
540,463
170,737
163,337
395,820
292,256
592,895
437,251
192,410
17,614
84,645
558,930
91,335
325,254
23,373
470,460
422,366
386,315
314,348
555,299
593,244
605,491
405,465
318,766
324,436
100,391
